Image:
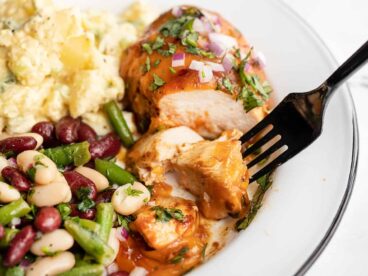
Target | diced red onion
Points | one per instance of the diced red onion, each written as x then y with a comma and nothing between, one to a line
216,67
177,11
122,234
178,59
205,74
219,43
24,263
138,271
196,65
228,62
12,162
199,26
260,58
247,67
112,268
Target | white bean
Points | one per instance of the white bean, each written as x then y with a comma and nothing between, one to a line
51,194
8,193
56,241
96,177
46,266
129,198
46,170
114,243
3,163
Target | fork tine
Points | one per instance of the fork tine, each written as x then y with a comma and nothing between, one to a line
272,133
270,167
255,130
266,153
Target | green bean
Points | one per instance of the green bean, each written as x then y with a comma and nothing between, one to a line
118,122
86,270
9,235
90,242
14,271
90,225
104,217
77,154
113,172
16,209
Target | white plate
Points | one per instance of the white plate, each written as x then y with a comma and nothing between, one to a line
310,192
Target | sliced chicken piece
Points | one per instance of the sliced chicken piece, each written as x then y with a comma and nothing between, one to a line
214,171
166,96
149,158
171,219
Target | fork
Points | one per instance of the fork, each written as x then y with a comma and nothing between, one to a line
297,121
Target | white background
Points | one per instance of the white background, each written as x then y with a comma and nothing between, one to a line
343,25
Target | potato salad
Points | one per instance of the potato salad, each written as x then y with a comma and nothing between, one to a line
57,61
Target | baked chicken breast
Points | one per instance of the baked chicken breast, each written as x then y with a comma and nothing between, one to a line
195,69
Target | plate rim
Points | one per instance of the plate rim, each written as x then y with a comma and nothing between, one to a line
316,253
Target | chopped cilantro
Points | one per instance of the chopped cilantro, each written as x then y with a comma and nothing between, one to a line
199,52
180,256
264,183
189,38
124,221
64,210
147,64
169,52
172,70
31,173
156,62
147,48
83,192
166,214
86,204
157,82
158,43
227,84
237,53
250,100
132,192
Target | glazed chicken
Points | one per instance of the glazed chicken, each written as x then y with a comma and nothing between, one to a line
194,69
214,171
150,156
167,222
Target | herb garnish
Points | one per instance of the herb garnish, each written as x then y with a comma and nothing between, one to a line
64,210
157,82
132,192
204,250
147,48
250,100
227,84
83,192
124,221
180,256
158,43
169,52
147,64
166,214
86,204
172,70
264,183
156,62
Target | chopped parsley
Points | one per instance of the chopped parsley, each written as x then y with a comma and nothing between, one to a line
124,221
168,52
250,100
199,52
158,43
180,256
157,82
227,84
166,214
264,183
64,210
147,48
147,64
85,205
189,38
31,173
132,192
172,70
83,192
156,62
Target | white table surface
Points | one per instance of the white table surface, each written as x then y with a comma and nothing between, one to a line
343,25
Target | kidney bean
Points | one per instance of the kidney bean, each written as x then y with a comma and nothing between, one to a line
105,196
119,273
16,179
47,131
47,219
89,214
2,231
80,185
86,133
108,146
15,145
19,246
67,130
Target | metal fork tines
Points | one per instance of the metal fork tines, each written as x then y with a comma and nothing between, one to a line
296,122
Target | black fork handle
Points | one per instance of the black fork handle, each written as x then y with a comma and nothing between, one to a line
348,67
